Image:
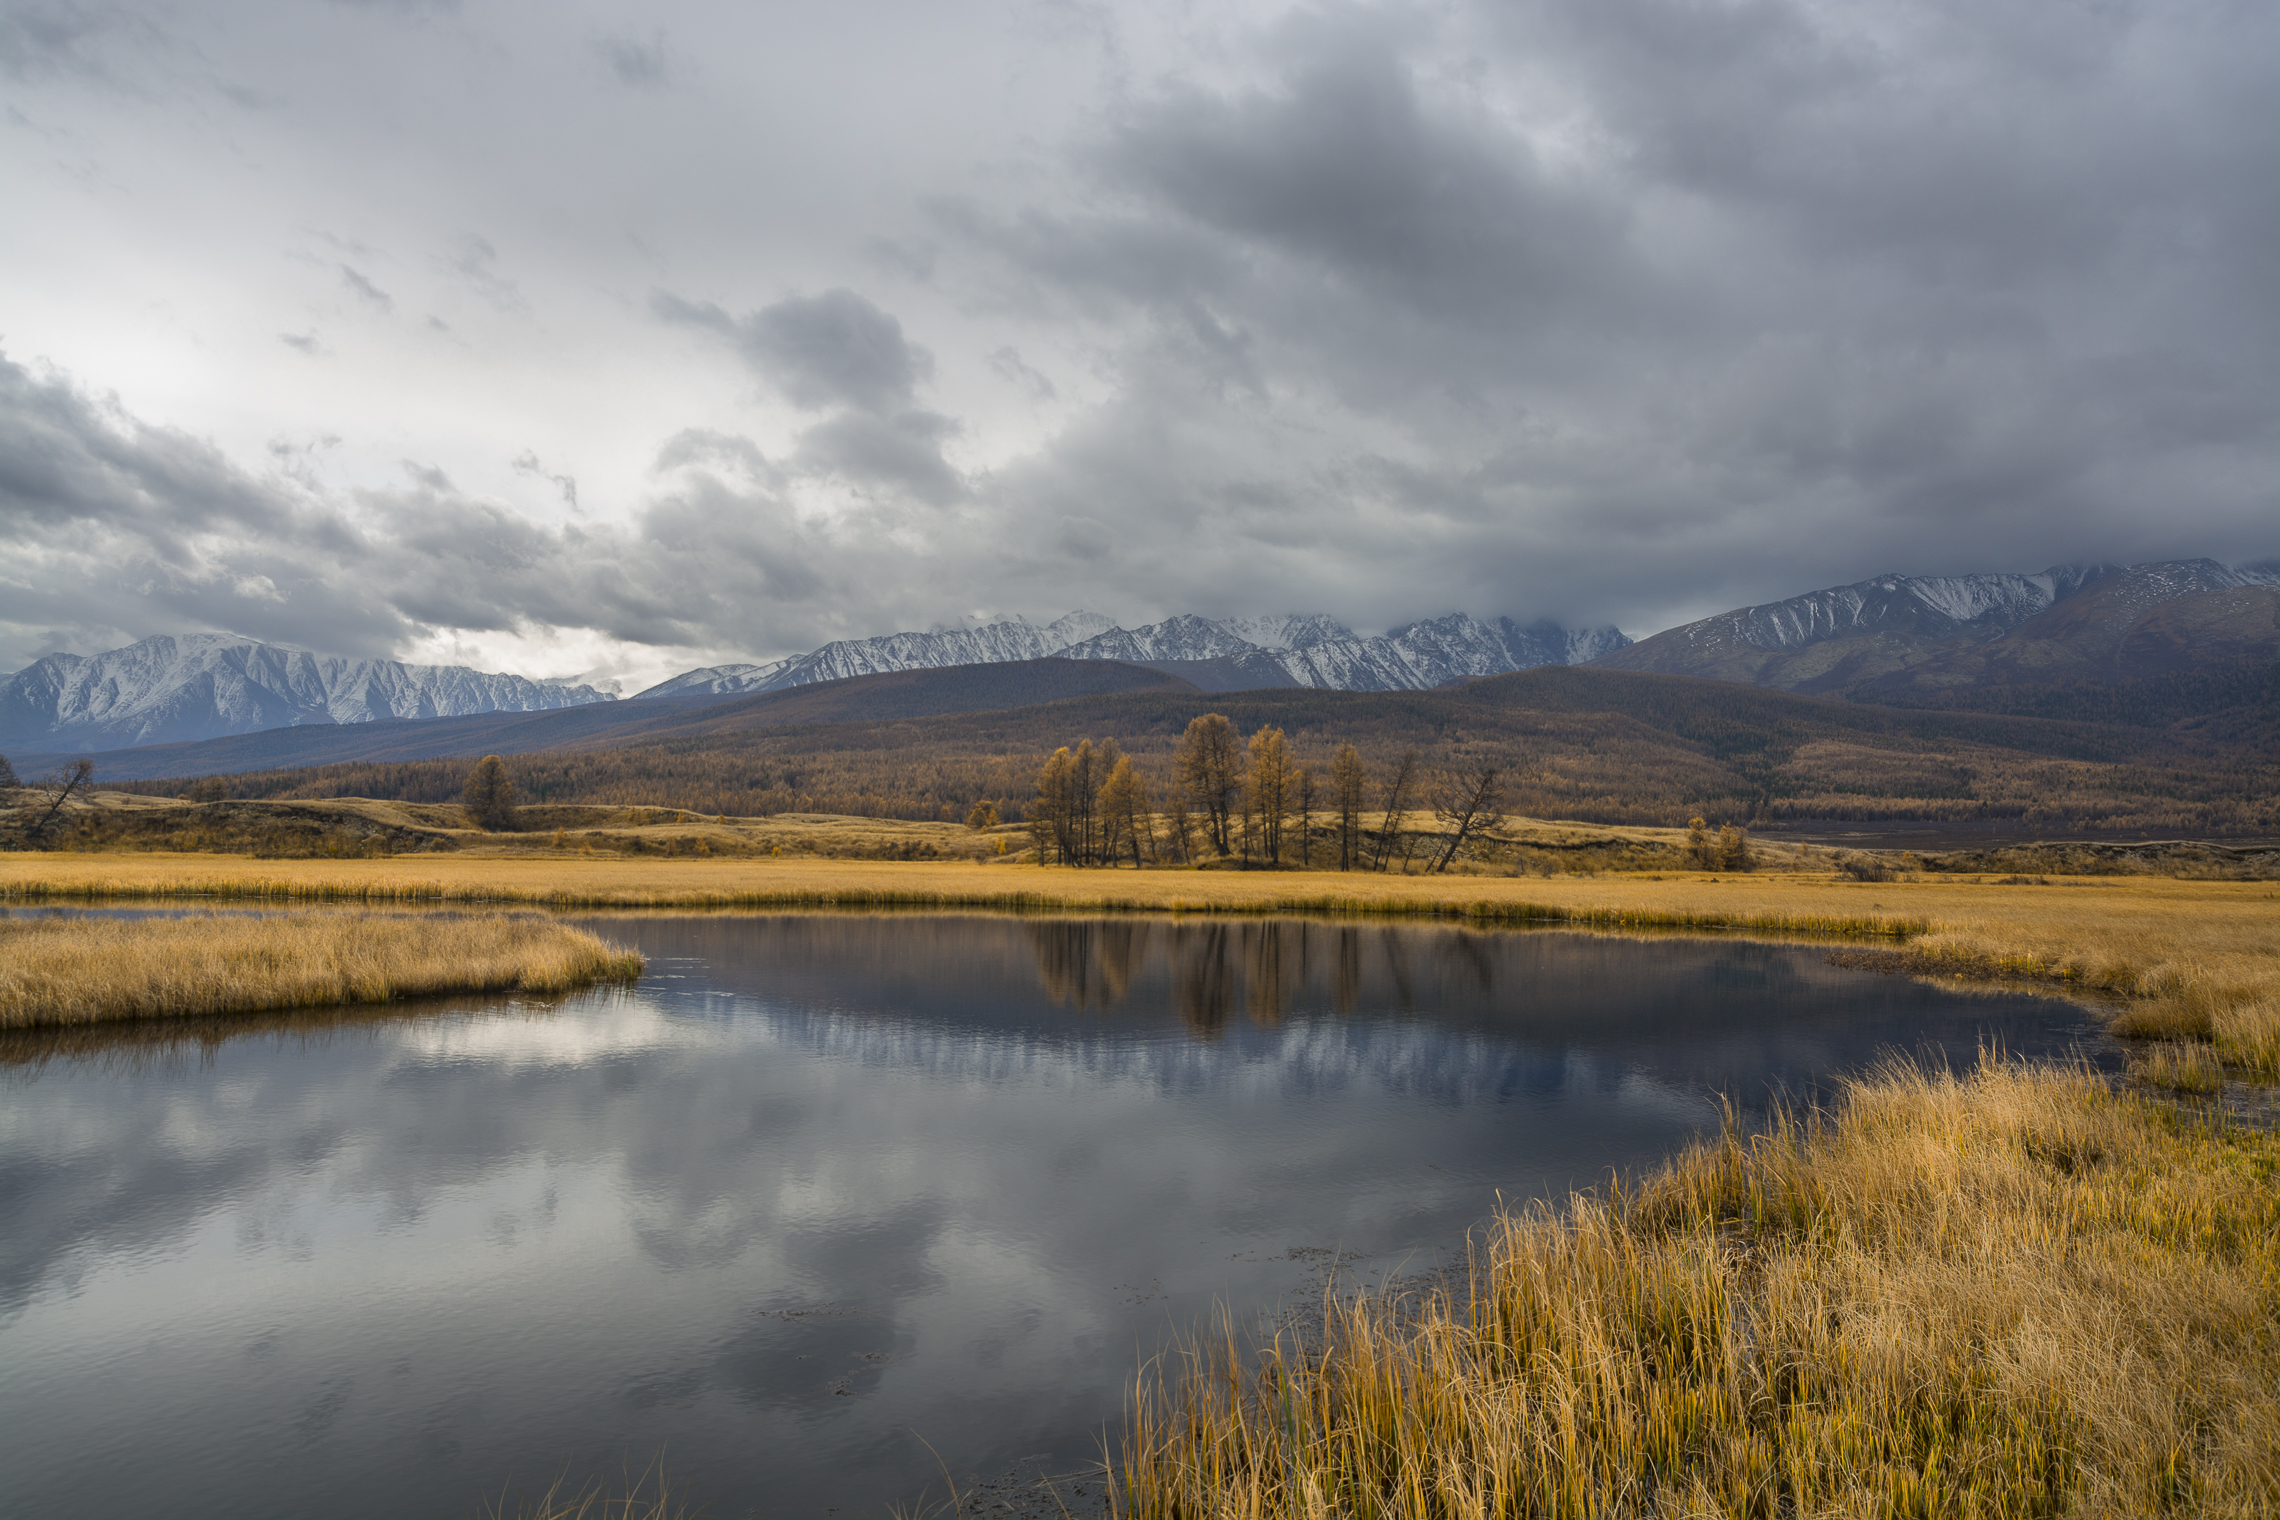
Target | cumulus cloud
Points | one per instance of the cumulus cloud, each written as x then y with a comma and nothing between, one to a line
835,349
840,352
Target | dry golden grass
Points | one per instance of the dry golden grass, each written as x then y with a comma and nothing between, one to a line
2193,968
1765,903
85,971
2008,1294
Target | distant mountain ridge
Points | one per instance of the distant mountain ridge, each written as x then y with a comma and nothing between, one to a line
1290,649
889,697
202,686
1894,636
1907,640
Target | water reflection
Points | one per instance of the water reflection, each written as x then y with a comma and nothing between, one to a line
1088,963
817,1183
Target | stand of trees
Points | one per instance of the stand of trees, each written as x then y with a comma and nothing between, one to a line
1729,851
1251,801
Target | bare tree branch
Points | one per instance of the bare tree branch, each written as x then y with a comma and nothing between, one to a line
64,782
1469,808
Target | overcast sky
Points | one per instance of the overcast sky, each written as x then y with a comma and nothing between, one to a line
580,338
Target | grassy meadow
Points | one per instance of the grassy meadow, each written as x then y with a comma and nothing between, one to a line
77,971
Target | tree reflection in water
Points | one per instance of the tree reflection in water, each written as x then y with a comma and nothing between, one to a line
1265,968
1089,964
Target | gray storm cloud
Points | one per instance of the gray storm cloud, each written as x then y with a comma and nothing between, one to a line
1595,309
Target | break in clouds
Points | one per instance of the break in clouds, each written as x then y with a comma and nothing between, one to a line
545,341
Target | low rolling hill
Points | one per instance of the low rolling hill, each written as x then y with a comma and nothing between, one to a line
1606,746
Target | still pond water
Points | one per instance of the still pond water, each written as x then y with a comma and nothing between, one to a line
818,1189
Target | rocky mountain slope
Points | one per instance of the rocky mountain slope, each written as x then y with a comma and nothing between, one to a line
1218,654
994,644
1897,636
201,686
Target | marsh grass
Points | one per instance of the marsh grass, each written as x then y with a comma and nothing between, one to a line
2011,1293
2183,977
2179,1066
76,971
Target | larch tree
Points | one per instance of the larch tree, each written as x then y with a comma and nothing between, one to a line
1396,799
1096,763
1733,848
1124,813
1267,789
1052,815
1306,802
62,784
1468,808
490,796
1349,789
1179,826
1209,764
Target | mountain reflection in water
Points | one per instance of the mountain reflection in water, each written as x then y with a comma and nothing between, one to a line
817,1187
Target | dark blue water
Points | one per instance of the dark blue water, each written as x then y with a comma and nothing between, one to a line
816,1189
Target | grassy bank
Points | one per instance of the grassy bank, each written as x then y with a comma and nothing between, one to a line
2009,1294
56,972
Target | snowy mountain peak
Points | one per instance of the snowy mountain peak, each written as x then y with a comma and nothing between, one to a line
1075,627
202,685
1288,630
1937,605
1305,649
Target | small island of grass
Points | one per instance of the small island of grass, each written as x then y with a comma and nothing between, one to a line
66,971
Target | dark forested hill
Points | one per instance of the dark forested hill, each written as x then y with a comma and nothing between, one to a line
1607,746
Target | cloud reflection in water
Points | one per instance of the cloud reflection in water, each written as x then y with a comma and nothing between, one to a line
818,1183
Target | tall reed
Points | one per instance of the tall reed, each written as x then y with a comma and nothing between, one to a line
2008,1294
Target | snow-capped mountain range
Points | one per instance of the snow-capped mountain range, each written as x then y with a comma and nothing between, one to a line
201,686
1875,639
1287,650
1897,631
